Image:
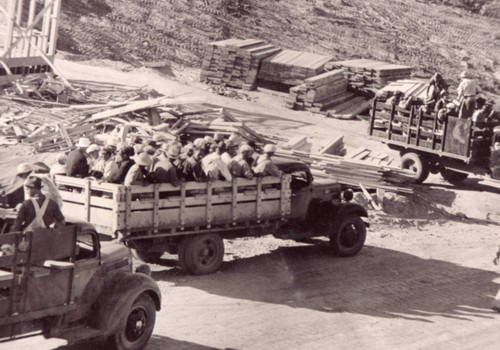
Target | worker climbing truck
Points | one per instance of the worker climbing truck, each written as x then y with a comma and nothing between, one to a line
192,219
65,283
455,147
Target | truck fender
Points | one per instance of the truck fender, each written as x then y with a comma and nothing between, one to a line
345,209
114,304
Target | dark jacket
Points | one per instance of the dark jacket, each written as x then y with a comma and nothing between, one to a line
76,164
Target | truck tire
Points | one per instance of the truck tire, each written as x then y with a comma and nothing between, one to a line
349,237
453,177
420,169
201,254
149,257
134,331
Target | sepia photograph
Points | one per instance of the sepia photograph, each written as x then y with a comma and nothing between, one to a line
249,174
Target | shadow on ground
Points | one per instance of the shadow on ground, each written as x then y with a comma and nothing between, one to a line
377,282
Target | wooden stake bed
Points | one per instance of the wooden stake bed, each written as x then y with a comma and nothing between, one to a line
412,129
164,208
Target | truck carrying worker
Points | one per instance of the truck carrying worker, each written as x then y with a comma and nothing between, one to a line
38,211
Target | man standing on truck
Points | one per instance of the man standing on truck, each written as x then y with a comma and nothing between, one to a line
138,173
264,165
240,165
76,164
164,170
39,211
467,91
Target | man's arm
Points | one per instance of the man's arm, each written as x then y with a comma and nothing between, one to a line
20,219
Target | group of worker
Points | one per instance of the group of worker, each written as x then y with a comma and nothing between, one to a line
142,163
469,105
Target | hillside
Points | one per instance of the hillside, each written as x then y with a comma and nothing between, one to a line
430,37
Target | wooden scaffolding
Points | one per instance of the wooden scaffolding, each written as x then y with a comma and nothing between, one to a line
28,37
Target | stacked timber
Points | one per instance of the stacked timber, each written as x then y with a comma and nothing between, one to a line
353,172
415,88
368,75
319,92
235,62
290,67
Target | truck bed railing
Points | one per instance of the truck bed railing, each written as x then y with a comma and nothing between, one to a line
417,130
153,208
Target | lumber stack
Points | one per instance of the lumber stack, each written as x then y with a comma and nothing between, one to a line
353,172
368,75
319,92
235,62
290,67
415,88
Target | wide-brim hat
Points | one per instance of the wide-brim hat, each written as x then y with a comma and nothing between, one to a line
83,142
143,159
24,168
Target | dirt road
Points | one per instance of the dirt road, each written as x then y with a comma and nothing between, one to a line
425,279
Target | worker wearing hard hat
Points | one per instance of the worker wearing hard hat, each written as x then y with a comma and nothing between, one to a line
467,91
264,165
164,169
138,173
77,164
240,164
49,189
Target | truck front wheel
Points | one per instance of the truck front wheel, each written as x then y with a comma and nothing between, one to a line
349,237
201,254
420,169
134,331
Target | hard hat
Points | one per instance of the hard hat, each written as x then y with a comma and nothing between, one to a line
464,75
24,168
143,159
270,148
451,105
173,152
245,148
138,148
208,139
199,143
121,146
83,142
92,148
33,182
107,150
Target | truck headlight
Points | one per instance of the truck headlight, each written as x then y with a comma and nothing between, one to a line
348,195
144,269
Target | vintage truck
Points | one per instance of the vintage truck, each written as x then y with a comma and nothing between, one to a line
455,148
192,219
66,283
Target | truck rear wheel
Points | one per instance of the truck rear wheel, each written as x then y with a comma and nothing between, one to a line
453,177
420,169
349,237
134,331
201,254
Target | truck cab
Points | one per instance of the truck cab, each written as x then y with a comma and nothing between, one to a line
66,283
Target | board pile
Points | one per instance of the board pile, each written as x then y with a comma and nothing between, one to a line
235,62
416,88
319,92
290,67
368,75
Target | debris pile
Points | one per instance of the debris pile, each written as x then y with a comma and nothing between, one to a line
235,62
320,92
367,75
291,67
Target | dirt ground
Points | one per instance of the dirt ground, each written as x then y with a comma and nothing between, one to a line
424,280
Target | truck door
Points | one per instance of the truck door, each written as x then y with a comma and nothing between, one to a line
301,192
495,154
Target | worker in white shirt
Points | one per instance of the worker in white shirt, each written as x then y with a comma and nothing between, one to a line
467,91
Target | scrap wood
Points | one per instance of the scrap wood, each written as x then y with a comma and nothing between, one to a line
369,198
